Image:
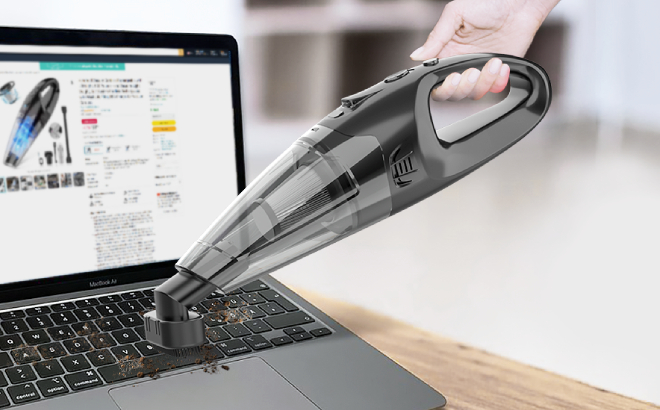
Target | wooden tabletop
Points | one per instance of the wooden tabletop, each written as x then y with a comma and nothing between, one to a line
470,379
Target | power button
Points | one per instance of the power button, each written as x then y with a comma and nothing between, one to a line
396,76
431,62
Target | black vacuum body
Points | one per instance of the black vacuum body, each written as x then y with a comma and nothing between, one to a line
32,118
375,155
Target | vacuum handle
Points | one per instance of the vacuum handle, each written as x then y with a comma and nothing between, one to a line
475,140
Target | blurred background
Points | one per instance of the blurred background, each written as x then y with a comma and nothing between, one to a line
548,255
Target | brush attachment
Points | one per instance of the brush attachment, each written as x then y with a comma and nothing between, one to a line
176,338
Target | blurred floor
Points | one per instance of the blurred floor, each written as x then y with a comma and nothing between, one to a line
548,255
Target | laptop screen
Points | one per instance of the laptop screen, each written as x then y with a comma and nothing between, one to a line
113,157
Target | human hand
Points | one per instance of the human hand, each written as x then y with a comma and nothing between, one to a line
477,26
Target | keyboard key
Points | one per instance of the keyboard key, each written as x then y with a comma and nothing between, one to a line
256,326
48,368
20,374
140,331
108,324
36,337
109,310
61,332
52,350
148,303
5,360
288,320
101,357
4,400
214,305
148,293
272,308
85,303
110,299
216,334
52,387
36,311
39,321
255,286
132,295
215,295
14,314
15,326
24,393
84,328
83,380
131,320
77,345
257,342
253,298
87,313
25,355
10,342
63,318
60,307
273,296
320,332
130,306
233,347
125,336
102,340
213,319
146,348
116,373
3,380
233,302
293,330
252,312
126,352
199,308
75,363
299,337
237,330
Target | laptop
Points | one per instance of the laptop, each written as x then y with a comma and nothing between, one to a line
122,147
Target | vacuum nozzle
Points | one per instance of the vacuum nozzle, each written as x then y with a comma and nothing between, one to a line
172,328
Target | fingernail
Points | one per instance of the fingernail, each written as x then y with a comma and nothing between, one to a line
495,66
503,70
474,76
455,79
417,52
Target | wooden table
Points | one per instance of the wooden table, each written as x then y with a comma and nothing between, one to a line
471,379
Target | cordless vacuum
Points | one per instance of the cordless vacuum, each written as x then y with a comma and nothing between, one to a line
374,156
32,117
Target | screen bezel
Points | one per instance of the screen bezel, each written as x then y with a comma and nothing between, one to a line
109,278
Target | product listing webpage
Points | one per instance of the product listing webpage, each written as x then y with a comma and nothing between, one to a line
111,164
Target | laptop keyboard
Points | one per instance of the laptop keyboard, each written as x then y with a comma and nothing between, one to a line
60,348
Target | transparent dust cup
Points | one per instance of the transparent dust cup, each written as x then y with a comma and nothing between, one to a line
324,187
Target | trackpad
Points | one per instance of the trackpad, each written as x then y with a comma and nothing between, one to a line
247,384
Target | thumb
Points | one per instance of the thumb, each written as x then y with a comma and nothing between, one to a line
444,30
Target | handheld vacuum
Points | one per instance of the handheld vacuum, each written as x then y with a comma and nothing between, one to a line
374,156
32,117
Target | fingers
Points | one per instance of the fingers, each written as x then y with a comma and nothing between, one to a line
489,74
473,83
448,87
502,79
443,31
